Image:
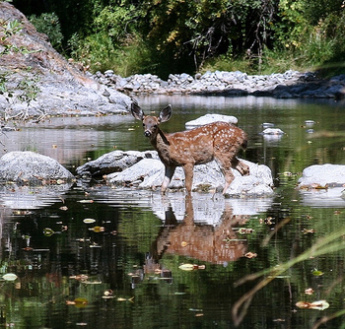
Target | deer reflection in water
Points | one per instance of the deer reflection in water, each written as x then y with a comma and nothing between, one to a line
214,244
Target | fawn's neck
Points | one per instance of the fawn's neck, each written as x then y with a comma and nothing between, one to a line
160,143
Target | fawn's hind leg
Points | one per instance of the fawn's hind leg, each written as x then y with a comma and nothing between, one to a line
225,162
240,166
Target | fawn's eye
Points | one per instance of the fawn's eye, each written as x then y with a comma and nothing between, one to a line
143,124
155,126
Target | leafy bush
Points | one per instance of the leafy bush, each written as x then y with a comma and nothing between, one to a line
49,24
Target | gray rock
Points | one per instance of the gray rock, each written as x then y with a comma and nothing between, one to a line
149,173
272,131
113,162
322,176
209,118
33,169
52,86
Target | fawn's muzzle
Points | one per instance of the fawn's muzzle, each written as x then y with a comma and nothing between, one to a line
147,133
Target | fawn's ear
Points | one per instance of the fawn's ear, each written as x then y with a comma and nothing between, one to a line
137,112
165,114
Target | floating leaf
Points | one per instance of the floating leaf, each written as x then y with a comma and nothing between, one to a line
308,231
309,291
317,273
97,229
9,277
120,299
48,232
79,277
89,220
86,201
80,302
186,267
318,305
244,230
191,267
250,254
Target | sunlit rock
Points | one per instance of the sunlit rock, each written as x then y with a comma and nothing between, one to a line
149,173
273,131
51,85
322,175
323,186
209,118
113,162
29,168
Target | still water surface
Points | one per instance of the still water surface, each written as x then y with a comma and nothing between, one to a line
98,257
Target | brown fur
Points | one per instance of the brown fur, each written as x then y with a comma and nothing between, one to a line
219,140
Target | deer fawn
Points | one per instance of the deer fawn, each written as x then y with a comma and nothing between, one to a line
219,140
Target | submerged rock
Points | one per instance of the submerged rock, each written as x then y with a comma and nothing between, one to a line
29,168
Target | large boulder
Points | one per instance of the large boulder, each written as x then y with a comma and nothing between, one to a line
323,186
30,168
38,81
113,162
149,174
326,175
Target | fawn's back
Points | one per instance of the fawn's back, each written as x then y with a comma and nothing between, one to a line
200,145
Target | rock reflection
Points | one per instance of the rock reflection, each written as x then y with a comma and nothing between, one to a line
31,197
214,244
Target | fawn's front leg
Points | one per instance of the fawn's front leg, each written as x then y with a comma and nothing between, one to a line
169,172
188,172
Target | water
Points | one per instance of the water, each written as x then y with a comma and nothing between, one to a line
100,257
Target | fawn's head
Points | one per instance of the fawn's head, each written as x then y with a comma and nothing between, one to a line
150,123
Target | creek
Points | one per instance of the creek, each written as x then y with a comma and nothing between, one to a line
95,256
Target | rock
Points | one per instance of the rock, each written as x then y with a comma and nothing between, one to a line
113,162
272,131
291,84
321,176
149,173
52,86
209,118
30,168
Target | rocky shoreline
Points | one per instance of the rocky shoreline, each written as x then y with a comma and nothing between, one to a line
291,84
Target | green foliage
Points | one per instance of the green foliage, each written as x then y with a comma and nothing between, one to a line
7,30
176,36
98,51
49,24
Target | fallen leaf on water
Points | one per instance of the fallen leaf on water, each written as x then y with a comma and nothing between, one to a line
250,254
243,230
89,220
78,302
64,208
97,229
318,305
79,277
48,231
9,277
120,299
308,231
86,201
191,267
317,273
309,291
